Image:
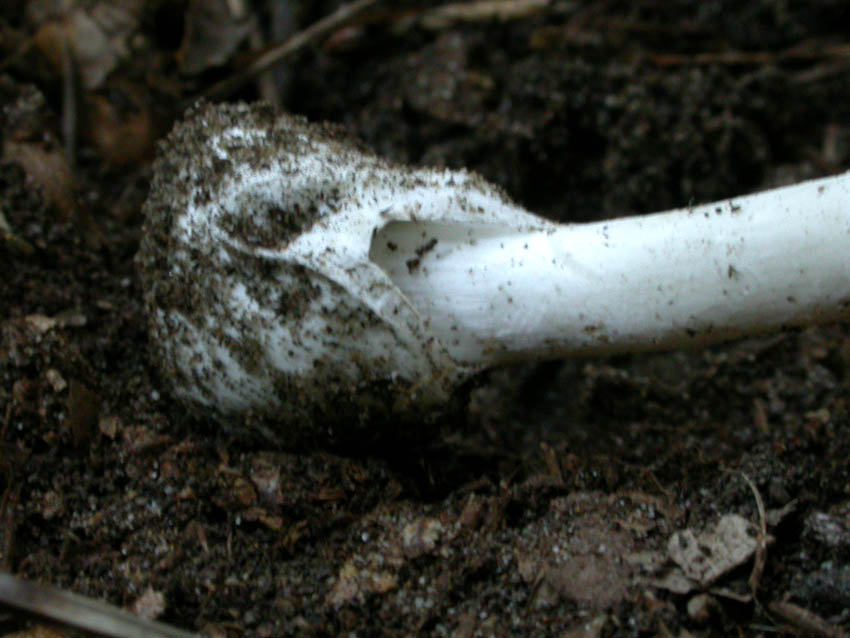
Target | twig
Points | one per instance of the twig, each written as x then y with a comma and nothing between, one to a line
70,114
11,495
80,612
822,72
482,10
8,503
337,19
761,540
265,80
805,622
736,58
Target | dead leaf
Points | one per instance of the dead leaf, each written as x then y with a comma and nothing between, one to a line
121,126
214,31
707,557
47,170
703,558
355,582
98,38
776,516
89,46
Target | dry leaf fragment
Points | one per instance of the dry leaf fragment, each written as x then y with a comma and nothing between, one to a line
354,583
47,170
702,558
98,38
214,31
122,127
150,605
706,557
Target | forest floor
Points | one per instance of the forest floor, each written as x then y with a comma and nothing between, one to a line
694,493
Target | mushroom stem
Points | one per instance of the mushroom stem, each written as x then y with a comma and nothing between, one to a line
296,281
696,275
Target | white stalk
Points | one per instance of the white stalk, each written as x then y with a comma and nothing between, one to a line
698,275
291,276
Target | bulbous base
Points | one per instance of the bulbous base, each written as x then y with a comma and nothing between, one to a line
263,306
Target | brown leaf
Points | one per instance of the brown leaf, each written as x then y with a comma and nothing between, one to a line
121,127
47,170
150,605
214,31
97,38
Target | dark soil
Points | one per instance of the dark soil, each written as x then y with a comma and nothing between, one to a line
549,509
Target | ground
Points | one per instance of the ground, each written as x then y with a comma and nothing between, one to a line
686,493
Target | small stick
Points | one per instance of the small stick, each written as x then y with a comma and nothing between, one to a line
80,612
481,10
805,52
262,62
70,101
805,622
760,558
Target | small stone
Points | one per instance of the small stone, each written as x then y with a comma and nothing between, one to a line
56,380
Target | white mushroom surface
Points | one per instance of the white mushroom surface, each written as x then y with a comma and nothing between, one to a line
261,294
297,281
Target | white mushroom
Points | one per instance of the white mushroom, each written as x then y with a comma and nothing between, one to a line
293,276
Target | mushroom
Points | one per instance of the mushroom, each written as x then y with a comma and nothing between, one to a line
298,282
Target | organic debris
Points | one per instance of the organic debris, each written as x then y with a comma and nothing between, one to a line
614,107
